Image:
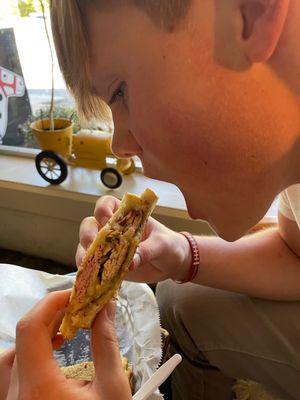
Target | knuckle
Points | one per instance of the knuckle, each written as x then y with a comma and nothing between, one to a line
86,220
86,234
79,255
51,296
165,240
103,202
145,252
105,206
85,223
110,339
23,325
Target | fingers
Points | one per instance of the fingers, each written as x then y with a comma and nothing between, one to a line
105,207
6,364
55,324
13,391
87,231
34,335
146,273
143,266
7,357
80,253
148,251
104,341
106,355
57,341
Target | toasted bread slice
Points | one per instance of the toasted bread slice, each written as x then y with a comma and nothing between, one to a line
86,371
107,261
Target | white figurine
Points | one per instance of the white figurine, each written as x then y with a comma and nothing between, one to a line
11,85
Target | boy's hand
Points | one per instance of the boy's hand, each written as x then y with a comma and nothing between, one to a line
162,253
36,375
6,364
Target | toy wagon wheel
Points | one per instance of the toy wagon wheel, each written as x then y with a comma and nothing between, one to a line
111,178
51,167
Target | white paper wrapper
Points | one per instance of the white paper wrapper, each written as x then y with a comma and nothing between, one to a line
137,319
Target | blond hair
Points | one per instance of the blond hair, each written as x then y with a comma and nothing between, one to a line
70,38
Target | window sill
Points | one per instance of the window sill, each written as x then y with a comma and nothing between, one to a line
43,220
17,170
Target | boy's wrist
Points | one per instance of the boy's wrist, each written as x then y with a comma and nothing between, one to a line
185,259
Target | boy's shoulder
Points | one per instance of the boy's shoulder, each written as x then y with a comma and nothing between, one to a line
289,203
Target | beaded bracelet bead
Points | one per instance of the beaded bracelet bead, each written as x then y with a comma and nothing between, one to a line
195,258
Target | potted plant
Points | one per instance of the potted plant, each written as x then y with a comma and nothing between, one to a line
59,111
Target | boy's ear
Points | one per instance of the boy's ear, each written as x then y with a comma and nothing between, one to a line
263,23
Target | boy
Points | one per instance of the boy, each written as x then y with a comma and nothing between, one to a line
206,93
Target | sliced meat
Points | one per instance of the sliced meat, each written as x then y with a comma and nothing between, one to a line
86,275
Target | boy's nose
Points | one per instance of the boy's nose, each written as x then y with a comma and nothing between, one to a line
124,144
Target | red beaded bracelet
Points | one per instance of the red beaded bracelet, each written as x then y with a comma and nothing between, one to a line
195,258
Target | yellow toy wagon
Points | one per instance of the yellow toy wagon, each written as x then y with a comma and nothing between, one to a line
88,149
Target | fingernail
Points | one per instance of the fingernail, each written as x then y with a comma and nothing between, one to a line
111,310
136,261
103,221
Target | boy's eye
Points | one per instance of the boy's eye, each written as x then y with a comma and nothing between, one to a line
118,93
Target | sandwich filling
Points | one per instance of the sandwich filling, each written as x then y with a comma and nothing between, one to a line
105,264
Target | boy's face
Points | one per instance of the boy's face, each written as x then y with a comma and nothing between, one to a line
193,110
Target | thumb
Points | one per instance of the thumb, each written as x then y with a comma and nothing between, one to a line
13,391
6,363
106,354
148,251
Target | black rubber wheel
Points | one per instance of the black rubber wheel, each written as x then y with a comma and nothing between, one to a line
111,178
51,167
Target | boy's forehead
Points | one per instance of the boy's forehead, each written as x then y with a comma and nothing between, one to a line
104,39
104,61
111,48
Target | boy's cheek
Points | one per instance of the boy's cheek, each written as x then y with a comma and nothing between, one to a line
162,123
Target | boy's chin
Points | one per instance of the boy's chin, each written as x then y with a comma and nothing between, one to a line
230,232
224,229
229,235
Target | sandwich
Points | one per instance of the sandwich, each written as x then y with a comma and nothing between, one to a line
107,261
86,371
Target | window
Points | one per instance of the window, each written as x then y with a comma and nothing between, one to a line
26,79
25,72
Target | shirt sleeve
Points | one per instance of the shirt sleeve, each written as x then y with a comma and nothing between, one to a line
284,206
